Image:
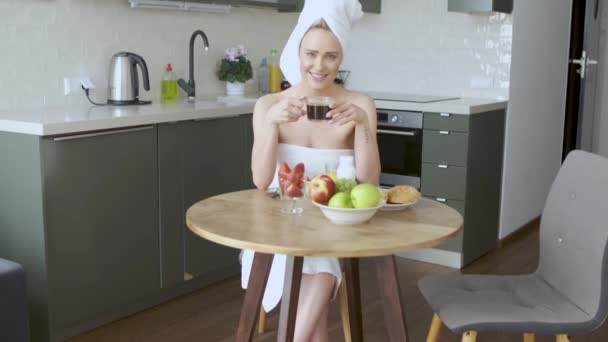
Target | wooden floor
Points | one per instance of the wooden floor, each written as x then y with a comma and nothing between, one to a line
211,314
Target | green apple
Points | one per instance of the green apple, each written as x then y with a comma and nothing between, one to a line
340,200
365,196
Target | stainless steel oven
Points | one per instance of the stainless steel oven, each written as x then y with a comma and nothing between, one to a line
400,146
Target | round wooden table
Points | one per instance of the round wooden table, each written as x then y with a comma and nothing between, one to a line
252,219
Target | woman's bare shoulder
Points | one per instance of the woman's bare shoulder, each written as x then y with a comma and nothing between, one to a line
269,100
266,101
359,96
360,99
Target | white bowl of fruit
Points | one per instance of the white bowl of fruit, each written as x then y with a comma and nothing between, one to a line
344,201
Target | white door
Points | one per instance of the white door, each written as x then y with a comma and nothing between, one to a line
588,71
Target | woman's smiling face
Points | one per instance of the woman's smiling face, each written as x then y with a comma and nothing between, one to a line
320,58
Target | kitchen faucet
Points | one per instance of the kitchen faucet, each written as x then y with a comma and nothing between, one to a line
189,87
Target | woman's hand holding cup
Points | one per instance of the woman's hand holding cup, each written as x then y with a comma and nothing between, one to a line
345,112
289,109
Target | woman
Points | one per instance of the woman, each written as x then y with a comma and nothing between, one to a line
283,132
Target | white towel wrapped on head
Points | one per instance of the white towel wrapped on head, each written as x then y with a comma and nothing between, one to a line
339,16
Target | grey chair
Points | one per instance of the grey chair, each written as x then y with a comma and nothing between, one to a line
14,321
568,293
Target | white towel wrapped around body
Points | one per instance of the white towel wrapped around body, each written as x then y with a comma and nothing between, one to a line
339,16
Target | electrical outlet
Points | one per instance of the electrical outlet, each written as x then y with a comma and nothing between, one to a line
73,85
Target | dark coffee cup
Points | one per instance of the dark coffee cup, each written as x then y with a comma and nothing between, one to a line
318,107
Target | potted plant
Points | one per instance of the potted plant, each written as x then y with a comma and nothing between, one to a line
235,69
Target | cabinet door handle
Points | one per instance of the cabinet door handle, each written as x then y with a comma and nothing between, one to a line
406,133
441,199
442,166
444,132
97,134
445,115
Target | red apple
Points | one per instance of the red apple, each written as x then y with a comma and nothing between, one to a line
321,188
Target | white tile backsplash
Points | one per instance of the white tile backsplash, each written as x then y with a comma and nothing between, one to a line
417,46
413,46
44,41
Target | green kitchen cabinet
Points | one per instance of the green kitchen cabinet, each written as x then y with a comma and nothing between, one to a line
80,213
247,128
213,155
371,6
97,219
171,202
199,159
480,6
101,218
462,167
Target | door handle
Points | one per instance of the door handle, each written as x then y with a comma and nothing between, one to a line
90,135
583,62
405,133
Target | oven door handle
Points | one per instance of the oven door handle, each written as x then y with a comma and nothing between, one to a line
405,133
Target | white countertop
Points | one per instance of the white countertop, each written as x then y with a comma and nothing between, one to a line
465,106
75,119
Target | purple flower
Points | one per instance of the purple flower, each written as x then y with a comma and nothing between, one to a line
242,51
233,53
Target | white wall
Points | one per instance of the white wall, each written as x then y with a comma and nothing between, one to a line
413,46
418,46
535,117
600,129
42,41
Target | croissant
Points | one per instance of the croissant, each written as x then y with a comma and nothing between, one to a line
403,194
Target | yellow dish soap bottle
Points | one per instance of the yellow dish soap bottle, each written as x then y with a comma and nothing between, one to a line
274,73
169,85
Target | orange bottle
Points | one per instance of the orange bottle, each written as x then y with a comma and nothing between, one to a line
274,73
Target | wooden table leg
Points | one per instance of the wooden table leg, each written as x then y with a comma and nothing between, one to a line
353,292
253,296
289,300
388,283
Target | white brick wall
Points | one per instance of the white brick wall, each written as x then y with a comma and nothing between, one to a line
418,46
42,41
414,46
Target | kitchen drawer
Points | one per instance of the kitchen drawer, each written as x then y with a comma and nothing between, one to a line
455,243
444,182
446,122
456,204
448,148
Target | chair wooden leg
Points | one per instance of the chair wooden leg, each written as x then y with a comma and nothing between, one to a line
434,330
343,298
469,336
262,321
528,337
562,338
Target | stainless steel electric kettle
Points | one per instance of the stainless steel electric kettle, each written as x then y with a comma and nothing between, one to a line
123,82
